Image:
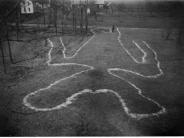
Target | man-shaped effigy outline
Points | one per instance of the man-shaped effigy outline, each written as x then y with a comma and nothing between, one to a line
73,97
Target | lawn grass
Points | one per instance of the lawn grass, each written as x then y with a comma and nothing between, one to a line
97,114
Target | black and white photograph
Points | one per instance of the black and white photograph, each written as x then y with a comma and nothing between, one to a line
91,68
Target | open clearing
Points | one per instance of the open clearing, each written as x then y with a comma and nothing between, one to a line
128,82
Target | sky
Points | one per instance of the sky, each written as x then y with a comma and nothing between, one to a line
139,0
130,0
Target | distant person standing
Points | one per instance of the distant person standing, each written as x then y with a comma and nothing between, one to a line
113,28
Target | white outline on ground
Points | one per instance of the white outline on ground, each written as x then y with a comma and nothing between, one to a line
136,44
64,54
73,97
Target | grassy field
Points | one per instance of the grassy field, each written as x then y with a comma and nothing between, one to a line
94,114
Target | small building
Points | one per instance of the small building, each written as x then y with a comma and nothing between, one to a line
42,6
27,7
100,3
78,2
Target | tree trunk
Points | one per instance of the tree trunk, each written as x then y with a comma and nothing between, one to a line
3,58
55,20
81,21
43,12
9,45
86,19
17,23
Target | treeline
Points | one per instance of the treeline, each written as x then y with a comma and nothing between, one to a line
172,8
6,6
